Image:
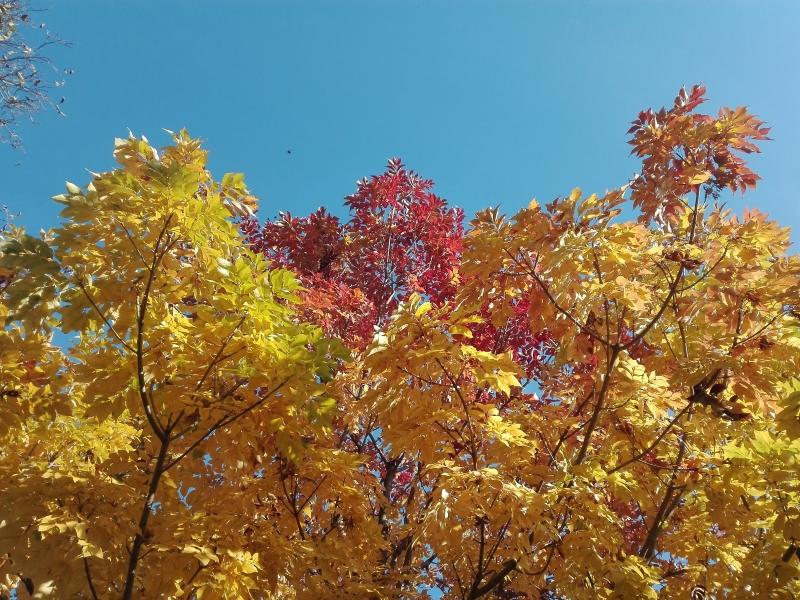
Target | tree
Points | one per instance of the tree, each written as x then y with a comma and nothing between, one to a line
27,76
658,454
401,239
186,343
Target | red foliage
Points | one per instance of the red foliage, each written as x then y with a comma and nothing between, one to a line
401,238
633,525
529,347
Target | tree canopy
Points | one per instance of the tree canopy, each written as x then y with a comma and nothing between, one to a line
568,402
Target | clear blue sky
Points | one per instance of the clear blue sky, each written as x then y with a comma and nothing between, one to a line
497,101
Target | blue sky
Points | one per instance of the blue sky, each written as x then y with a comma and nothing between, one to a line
498,101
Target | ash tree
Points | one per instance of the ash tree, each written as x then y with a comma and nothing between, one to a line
558,403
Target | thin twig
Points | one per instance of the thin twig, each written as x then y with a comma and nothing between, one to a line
102,316
601,396
222,422
473,448
660,437
531,271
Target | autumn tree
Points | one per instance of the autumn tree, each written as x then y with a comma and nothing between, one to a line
555,404
631,330
186,342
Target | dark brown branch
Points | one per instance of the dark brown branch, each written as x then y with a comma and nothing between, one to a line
147,510
420,377
664,305
381,455
495,580
553,545
707,272
566,434
668,504
428,562
500,535
311,495
216,360
548,560
458,579
531,271
606,310
155,425
673,288
89,577
612,359
199,568
130,239
473,447
292,500
481,548
162,433
759,331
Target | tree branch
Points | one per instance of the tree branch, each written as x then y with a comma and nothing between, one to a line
89,577
672,290
102,316
530,270
473,448
216,359
612,359
155,425
223,422
147,510
667,505
660,437
495,580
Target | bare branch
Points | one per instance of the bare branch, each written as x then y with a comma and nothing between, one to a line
601,396
668,504
27,75
664,305
142,310
147,510
216,358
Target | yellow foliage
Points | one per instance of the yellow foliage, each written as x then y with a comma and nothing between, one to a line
197,439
